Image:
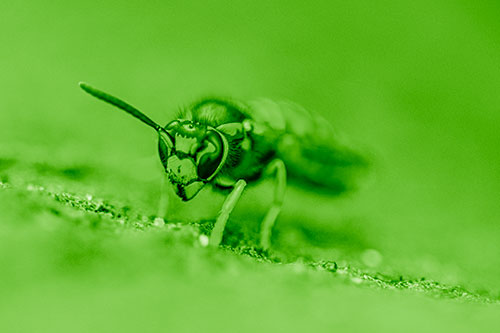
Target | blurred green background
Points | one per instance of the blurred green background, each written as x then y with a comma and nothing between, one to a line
415,84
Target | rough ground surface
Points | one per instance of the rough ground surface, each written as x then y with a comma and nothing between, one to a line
72,260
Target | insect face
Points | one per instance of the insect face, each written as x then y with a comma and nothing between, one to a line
192,155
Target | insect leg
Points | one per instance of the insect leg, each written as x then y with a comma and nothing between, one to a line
227,207
276,167
163,203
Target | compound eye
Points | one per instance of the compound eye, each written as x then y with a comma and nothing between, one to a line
165,146
210,158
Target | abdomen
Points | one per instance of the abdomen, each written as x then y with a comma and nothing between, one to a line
309,147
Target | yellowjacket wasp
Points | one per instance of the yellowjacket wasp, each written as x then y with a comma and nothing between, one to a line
228,144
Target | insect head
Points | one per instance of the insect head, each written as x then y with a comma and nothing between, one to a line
191,153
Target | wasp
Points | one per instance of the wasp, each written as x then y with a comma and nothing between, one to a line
228,144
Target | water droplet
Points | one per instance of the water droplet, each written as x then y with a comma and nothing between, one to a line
203,239
371,258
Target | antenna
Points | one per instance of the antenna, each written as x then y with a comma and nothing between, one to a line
120,104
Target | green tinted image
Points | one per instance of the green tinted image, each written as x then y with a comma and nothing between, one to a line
253,166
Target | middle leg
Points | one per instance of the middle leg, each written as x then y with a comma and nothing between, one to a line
276,167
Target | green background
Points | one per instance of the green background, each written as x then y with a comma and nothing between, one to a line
414,84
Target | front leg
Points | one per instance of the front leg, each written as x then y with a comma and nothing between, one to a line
276,167
227,208
163,201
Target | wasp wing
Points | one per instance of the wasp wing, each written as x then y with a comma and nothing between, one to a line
310,148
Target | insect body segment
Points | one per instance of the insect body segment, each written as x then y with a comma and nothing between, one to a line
193,157
228,144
